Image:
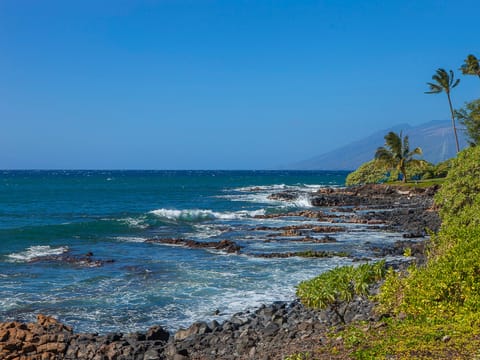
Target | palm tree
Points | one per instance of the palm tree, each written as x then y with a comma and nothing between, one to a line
471,66
397,154
445,82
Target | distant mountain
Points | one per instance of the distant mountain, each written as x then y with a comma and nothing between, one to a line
435,138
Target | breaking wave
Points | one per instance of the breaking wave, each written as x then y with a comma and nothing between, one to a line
36,251
194,215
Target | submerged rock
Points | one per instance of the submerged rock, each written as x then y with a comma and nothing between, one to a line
86,260
223,245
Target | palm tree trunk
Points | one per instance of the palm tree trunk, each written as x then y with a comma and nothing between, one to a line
453,121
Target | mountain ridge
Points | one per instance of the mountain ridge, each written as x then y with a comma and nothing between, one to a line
434,137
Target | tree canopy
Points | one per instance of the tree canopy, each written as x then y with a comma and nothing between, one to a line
445,82
396,153
469,116
471,66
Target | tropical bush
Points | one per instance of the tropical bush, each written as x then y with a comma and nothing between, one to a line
375,172
337,288
469,116
459,197
440,302
371,172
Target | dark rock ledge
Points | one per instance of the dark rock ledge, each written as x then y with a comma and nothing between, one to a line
87,260
222,245
269,332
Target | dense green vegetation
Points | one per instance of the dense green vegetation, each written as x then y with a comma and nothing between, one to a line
471,66
431,311
371,172
338,287
469,116
436,307
459,198
375,171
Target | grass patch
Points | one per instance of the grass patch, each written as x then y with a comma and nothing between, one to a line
417,183
455,338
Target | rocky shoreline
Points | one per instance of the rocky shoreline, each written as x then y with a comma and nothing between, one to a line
269,332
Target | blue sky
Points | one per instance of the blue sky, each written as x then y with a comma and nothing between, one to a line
219,84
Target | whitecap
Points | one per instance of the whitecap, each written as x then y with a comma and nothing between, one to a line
257,188
207,231
138,223
37,251
192,215
130,239
302,200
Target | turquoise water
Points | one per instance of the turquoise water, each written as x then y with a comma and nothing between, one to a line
112,213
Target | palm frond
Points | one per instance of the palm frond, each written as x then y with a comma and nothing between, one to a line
434,89
384,155
416,151
471,66
394,142
406,146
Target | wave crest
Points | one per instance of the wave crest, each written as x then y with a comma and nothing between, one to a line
36,251
193,215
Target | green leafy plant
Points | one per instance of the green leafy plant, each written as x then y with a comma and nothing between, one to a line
471,66
469,116
459,197
338,287
439,303
371,172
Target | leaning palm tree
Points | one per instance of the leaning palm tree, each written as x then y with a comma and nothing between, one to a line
445,82
471,66
396,153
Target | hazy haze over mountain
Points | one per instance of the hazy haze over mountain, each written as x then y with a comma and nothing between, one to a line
435,138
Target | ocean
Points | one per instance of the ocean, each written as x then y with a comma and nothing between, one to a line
50,215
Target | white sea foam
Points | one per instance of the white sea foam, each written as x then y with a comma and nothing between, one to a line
261,194
277,187
206,231
132,222
191,215
258,198
37,251
257,188
130,239
302,201
263,198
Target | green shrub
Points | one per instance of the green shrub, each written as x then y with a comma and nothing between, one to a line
448,285
440,300
375,171
339,286
469,116
459,197
371,172
441,169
